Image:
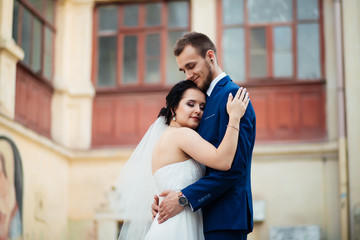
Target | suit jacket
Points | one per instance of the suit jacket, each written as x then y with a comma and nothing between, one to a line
225,196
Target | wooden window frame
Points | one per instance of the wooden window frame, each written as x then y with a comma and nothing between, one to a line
44,23
33,88
269,27
141,31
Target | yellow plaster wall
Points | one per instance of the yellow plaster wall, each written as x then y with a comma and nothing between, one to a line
297,190
46,180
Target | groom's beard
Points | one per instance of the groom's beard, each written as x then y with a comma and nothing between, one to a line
208,79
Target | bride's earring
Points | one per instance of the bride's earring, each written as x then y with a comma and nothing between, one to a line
174,118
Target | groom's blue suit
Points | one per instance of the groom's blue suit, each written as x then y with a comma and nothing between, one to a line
225,196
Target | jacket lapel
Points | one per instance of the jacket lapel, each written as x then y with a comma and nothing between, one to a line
212,98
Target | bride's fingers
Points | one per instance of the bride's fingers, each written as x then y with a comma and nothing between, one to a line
237,95
247,100
230,97
242,96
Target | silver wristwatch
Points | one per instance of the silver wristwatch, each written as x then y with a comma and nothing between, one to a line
182,199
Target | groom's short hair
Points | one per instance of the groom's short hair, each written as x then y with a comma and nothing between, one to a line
199,41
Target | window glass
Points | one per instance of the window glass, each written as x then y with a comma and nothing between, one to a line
178,14
233,52
26,35
261,11
15,21
234,11
282,55
34,33
37,4
173,75
258,52
108,18
49,11
36,48
48,53
308,51
131,15
153,58
307,9
153,14
147,33
130,59
107,61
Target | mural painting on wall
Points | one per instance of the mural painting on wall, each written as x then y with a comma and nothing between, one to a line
11,191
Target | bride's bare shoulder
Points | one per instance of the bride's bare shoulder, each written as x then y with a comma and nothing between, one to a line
185,132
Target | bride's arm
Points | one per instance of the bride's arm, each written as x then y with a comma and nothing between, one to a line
202,151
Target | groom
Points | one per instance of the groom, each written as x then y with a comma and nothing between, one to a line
224,196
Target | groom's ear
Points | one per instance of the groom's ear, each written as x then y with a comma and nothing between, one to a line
210,55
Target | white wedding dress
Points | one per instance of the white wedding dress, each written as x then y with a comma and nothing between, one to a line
187,224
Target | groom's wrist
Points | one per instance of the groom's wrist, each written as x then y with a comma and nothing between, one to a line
183,201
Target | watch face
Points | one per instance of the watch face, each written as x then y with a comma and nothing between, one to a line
182,201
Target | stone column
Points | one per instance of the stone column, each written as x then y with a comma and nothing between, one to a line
201,9
73,89
351,43
10,54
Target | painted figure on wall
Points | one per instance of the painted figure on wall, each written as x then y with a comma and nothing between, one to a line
11,191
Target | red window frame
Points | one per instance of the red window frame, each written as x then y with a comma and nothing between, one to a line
40,15
34,88
141,31
288,109
269,27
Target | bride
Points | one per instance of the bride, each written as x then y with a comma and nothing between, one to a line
164,160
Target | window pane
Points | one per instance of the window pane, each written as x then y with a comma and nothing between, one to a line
233,50
26,35
153,14
108,18
131,16
308,51
15,21
37,4
282,56
50,10
130,59
36,48
307,9
258,53
153,58
233,11
178,14
107,49
48,53
261,11
173,75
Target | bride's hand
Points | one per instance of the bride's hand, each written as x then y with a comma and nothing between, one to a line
236,106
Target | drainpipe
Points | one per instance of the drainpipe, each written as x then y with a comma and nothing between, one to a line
342,141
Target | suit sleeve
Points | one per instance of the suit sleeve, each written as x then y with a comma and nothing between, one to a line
211,186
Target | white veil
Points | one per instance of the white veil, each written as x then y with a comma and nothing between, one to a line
135,187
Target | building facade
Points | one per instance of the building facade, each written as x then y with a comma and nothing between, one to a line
82,80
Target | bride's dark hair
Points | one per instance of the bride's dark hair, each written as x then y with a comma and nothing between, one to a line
174,97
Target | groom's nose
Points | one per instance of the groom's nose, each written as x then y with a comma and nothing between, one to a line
189,75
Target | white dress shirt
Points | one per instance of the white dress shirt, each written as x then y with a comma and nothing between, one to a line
214,82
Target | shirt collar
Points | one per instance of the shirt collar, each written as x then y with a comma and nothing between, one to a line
214,82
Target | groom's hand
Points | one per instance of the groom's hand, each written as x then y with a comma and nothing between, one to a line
155,206
169,206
